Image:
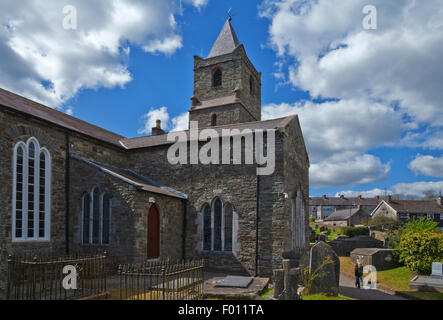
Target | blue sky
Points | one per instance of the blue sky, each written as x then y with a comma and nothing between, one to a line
369,101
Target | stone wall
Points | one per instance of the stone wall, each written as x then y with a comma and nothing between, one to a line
236,69
129,212
228,114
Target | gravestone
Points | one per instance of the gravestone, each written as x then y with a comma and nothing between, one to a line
329,279
235,282
287,281
437,269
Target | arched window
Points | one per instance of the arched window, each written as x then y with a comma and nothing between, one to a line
96,218
217,78
251,86
214,120
207,228
228,227
86,218
31,192
106,219
217,225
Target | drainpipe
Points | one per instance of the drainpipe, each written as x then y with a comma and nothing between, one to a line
257,220
185,210
67,191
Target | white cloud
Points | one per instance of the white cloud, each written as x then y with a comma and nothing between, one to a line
179,123
427,166
347,125
418,188
399,63
347,169
44,62
197,3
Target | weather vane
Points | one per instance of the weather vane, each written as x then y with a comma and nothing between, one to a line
229,14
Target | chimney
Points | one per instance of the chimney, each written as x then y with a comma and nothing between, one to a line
359,197
342,196
377,197
158,129
389,198
440,201
324,197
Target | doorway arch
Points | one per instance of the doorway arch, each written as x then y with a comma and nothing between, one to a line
153,234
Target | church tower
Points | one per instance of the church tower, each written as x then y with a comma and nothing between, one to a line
227,87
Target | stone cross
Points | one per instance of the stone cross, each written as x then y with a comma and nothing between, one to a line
437,269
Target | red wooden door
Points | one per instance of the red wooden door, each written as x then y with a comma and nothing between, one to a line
153,233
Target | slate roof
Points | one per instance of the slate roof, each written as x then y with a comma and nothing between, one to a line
336,201
217,102
226,42
15,102
342,215
132,178
416,206
152,141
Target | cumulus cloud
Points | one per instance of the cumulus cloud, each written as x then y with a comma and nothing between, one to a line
427,166
181,122
342,126
400,63
348,169
418,188
43,61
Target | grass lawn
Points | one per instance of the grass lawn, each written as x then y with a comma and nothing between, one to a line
396,279
323,297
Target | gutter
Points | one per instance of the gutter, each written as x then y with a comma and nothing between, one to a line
257,221
67,191
185,211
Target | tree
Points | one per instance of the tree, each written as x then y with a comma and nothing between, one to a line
419,250
430,195
384,223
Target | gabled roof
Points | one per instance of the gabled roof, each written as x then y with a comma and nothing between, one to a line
132,178
159,140
227,41
342,214
337,201
415,206
15,102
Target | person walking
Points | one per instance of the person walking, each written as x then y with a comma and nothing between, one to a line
358,274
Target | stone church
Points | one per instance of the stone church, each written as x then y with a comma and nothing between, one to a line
69,186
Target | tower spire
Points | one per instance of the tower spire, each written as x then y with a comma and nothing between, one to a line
226,42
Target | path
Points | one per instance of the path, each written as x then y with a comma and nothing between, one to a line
347,288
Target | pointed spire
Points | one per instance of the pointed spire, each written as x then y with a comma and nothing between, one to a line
227,41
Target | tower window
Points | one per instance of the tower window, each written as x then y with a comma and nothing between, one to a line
217,78
214,120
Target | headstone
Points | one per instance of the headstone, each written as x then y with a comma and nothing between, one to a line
329,279
437,269
288,282
235,282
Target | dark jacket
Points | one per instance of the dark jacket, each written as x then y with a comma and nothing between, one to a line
358,271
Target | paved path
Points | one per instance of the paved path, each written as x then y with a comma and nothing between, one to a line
347,288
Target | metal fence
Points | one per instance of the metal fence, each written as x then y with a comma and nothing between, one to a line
41,278
162,281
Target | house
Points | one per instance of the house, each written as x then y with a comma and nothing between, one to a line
322,207
71,187
410,209
348,217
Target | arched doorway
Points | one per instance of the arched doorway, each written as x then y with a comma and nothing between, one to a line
153,233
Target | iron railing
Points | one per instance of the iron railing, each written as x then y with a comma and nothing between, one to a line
162,281
41,278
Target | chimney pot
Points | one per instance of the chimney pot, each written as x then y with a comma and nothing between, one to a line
324,196
360,197
157,130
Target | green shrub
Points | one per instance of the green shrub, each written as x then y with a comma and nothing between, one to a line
384,223
311,219
355,231
418,250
